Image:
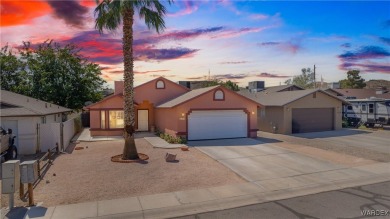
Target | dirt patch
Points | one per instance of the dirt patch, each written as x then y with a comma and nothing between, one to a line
90,175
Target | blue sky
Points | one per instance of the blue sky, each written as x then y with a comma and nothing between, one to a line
234,40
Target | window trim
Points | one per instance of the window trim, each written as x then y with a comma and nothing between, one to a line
103,123
223,95
163,84
370,108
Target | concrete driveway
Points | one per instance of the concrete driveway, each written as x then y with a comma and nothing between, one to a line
372,140
270,166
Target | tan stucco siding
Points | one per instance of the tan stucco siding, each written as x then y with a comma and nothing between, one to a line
321,101
156,96
109,103
206,102
167,120
270,117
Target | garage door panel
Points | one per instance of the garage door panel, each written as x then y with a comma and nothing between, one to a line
217,124
312,120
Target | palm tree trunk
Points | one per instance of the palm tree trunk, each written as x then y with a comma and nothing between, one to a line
129,150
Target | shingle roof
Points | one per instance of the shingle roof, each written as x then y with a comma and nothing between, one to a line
362,93
279,88
282,98
185,97
20,105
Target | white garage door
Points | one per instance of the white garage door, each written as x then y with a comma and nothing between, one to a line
215,124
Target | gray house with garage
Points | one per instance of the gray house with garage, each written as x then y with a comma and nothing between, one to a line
289,110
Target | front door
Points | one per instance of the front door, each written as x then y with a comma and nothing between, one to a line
143,120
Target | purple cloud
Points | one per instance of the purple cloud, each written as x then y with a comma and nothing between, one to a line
269,75
366,52
233,62
385,40
70,11
163,54
346,45
230,76
366,67
269,44
290,46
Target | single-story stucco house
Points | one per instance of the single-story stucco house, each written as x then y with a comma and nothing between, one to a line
298,111
205,113
24,115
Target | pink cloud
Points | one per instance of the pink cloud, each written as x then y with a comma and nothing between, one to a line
189,8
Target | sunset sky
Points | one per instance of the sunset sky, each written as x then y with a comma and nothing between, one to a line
235,40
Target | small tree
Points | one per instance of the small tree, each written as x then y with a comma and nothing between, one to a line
51,72
354,80
228,84
305,80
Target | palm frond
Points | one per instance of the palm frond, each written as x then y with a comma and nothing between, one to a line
108,15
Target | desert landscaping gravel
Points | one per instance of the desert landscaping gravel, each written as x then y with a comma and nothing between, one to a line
89,175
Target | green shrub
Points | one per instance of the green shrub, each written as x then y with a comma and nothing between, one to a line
172,140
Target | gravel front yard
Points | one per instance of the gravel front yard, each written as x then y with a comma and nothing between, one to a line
89,175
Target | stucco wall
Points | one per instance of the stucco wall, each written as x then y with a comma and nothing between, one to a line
167,120
148,91
321,101
269,117
175,118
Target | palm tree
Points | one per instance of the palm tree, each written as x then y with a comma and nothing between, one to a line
110,14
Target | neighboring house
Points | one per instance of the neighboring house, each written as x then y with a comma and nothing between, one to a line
24,115
298,111
193,84
364,93
205,113
282,88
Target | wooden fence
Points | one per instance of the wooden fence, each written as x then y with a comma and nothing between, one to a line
43,166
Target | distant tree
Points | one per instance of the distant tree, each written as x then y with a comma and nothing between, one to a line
354,80
13,76
51,72
228,84
304,80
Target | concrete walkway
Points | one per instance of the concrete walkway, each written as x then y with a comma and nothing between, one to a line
181,203
85,135
158,142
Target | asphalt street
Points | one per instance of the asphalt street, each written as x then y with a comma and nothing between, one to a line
369,201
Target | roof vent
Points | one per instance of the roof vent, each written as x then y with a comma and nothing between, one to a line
27,100
46,105
58,107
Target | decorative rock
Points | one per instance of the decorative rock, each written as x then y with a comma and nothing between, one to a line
184,148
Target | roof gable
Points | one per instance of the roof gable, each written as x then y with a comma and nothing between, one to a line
197,93
154,81
21,105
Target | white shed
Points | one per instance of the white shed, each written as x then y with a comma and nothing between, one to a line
24,115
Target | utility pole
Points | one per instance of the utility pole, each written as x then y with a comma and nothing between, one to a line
209,75
315,77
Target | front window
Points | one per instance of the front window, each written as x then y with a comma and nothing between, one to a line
371,108
349,107
364,108
116,119
102,119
